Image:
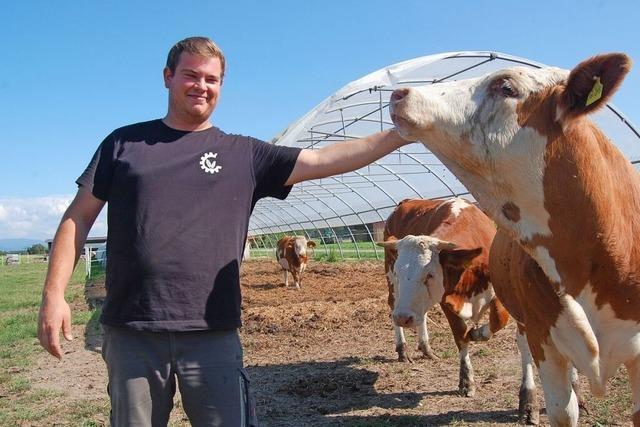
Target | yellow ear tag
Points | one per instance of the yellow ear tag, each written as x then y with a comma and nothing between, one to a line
596,92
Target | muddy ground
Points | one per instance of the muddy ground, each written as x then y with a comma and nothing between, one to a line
324,356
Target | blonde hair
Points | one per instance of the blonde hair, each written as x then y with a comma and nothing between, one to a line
200,46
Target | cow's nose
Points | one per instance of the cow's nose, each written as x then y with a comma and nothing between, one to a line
403,320
398,94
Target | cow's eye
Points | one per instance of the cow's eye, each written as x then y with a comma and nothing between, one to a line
429,276
507,89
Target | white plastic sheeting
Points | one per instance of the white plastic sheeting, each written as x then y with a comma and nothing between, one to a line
360,108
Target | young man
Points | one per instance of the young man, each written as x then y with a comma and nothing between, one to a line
180,193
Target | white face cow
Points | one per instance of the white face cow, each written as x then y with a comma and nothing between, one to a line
475,127
421,273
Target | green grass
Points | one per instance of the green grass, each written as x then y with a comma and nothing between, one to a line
20,293
333,252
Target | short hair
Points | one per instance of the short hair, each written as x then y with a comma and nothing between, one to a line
200,46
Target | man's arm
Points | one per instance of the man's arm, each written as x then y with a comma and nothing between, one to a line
65,251
344,157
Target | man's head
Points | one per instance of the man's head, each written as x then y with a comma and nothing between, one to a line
193,74
198,46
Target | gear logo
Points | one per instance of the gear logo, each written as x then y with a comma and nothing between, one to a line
208,163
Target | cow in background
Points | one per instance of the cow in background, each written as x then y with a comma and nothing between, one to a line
436,251
291,254
521,141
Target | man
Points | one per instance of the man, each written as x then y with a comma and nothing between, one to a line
180,193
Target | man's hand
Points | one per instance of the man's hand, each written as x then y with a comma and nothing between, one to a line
55,314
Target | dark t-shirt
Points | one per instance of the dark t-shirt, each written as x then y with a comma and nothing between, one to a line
178,211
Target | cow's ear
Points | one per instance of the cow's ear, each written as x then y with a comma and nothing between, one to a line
592,83
390,243
444,245
458,258
311,244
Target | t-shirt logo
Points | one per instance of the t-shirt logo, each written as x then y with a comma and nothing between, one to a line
208,163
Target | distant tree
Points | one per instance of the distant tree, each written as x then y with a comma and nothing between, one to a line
37,249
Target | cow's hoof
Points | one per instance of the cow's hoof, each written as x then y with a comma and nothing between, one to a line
528,409
467,391
475,334
530,417
404,358
427,352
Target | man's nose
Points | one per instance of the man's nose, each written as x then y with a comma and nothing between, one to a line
200,83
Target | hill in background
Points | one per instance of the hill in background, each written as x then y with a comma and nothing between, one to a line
9,245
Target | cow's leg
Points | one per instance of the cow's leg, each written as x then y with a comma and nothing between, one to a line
401,344
561,401
466,385
296,277
423,340
286,278
633,368
498,319
575,384
528,407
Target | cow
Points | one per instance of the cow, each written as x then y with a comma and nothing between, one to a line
291,254
520,139
436,251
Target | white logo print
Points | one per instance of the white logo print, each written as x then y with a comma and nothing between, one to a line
208,163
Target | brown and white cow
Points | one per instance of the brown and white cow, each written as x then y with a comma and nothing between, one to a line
520,140
291,254
436,251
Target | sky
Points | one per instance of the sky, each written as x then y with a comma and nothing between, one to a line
72,71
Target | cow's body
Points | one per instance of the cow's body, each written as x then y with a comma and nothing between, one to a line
426,236
520,141
291,254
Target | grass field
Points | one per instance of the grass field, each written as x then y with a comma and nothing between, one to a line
20,291
334,252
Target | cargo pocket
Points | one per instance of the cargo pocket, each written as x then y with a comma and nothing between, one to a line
247,401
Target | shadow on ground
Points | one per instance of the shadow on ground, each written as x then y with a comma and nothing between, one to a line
323,393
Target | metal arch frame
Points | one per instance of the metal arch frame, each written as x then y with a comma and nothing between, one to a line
337,216
312,222
352,121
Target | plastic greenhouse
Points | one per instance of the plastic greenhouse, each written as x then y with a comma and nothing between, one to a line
345,214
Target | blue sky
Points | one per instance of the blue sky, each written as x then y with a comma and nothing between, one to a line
72,71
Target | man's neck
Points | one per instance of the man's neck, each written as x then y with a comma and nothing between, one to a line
174,123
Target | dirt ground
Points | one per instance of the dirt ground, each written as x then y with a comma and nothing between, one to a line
324,356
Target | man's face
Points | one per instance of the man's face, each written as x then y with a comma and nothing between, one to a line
194,87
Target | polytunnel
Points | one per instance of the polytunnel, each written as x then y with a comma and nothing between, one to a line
345,214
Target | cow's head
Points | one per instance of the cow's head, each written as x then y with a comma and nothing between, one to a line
419,273
494,132
299,244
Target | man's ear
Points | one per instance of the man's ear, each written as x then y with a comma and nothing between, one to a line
167,75
458,258
592,83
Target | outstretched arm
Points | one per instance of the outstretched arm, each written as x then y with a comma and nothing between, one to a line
344,156
65,251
